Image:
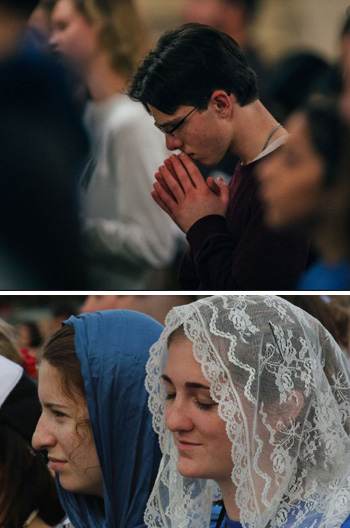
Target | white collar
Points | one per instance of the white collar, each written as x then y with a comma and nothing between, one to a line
10,374
274,145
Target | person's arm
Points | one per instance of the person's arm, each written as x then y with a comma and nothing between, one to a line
259,260
141,232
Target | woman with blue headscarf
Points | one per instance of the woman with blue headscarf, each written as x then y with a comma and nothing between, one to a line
95,422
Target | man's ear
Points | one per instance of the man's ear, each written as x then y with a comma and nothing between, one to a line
283,414
223,102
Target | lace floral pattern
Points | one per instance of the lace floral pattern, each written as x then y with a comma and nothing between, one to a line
263,358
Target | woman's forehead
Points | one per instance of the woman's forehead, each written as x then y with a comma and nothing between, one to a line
50,385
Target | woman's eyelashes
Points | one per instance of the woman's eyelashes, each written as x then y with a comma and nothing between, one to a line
205,406
201,405
58,414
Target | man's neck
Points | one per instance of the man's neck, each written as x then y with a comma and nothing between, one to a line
253,124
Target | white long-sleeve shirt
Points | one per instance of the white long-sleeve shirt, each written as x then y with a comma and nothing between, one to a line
126,233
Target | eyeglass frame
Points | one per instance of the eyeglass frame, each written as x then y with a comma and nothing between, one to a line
181,122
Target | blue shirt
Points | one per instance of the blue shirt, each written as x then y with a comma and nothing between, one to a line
323,276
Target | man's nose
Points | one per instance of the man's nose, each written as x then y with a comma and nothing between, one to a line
173,143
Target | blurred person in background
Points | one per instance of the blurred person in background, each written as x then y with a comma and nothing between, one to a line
156,306
302,184
345,67
42,145
340,306
29,337
233,17
61,310
294,78
125,234
13,18
9,348
38,26
28,493
330,312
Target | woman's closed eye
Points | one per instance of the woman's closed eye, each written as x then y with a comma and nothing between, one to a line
58,414
203,406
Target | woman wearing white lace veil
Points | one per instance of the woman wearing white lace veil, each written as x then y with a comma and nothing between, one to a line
250,397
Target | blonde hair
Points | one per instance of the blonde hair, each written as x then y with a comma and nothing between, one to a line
122,31
8,343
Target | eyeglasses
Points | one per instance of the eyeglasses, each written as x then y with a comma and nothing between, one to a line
180,123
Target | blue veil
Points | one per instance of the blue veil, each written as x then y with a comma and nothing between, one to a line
113,348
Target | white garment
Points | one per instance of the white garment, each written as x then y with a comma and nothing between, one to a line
125,231
262,357
64,524
277,143
10,374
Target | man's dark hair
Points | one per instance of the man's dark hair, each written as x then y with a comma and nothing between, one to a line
22,8
187,65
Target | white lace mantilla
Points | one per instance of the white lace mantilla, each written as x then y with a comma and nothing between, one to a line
260,353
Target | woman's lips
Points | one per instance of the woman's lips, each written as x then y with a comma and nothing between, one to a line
56,464
184,446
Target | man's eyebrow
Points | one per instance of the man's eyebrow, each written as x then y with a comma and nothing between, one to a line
172,122
188,384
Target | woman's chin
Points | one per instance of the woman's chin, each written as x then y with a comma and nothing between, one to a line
189,472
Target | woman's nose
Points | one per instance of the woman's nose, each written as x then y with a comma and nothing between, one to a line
178,416
42,437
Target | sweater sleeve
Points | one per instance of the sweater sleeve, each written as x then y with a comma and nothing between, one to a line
259,260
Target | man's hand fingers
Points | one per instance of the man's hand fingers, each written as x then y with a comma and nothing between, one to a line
173,183
170,167
213,186
168,199
224,191
160,179
191,169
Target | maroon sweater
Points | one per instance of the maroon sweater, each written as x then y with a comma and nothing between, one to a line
239,252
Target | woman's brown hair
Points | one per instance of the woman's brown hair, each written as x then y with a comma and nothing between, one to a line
59,351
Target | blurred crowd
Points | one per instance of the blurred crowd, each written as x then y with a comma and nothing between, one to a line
22,334
78,156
